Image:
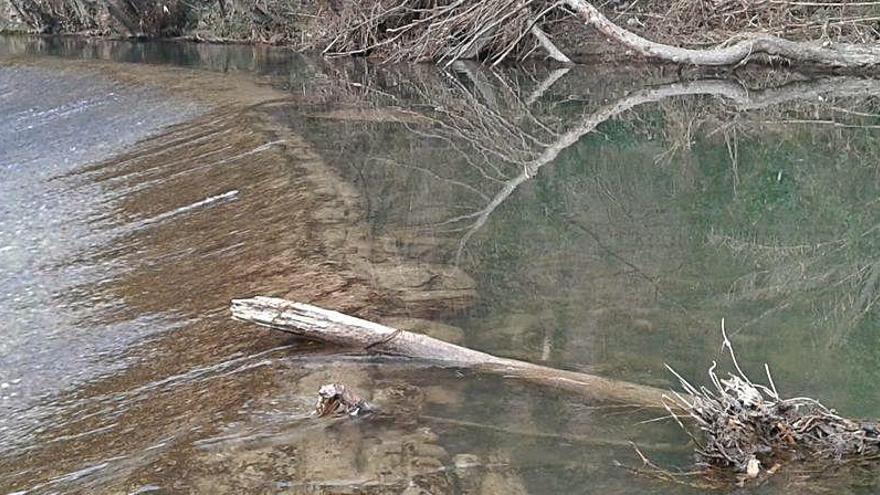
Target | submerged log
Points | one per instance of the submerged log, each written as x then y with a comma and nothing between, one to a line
323,325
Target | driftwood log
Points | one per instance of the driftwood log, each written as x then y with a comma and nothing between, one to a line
751,44
334,328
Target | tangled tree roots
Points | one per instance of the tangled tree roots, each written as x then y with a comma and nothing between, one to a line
448,30
748,428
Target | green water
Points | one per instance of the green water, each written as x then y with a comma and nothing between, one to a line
629,249
535,212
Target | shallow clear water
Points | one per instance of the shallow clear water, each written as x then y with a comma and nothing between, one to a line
600,219
53,122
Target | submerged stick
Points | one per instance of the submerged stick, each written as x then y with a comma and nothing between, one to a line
323,325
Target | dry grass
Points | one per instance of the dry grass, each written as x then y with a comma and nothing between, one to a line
153,18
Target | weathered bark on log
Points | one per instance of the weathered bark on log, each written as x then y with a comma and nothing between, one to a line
822,53
323,325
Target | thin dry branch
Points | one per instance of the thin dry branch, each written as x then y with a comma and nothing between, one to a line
552,51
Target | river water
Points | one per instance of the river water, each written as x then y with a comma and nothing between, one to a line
598,219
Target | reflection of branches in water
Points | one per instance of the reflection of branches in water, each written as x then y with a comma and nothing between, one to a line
741,97
682,120
503,130
506,138
799,269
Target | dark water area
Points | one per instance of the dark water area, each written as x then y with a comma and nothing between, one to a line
599,219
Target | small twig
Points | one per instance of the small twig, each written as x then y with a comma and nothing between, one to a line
770,380
729,346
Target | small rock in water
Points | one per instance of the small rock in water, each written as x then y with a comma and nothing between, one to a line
335,398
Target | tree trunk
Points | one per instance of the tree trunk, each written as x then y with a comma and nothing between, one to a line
822,53
319,324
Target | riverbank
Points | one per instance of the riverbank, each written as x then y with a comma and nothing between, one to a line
315,26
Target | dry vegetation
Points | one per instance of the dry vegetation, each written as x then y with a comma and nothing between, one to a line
748,428
150,18
448,30
499,29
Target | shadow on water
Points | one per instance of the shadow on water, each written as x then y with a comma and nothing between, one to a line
585,219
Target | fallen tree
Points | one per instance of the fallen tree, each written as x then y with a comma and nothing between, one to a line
322,325
493,30
745,428
818,52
